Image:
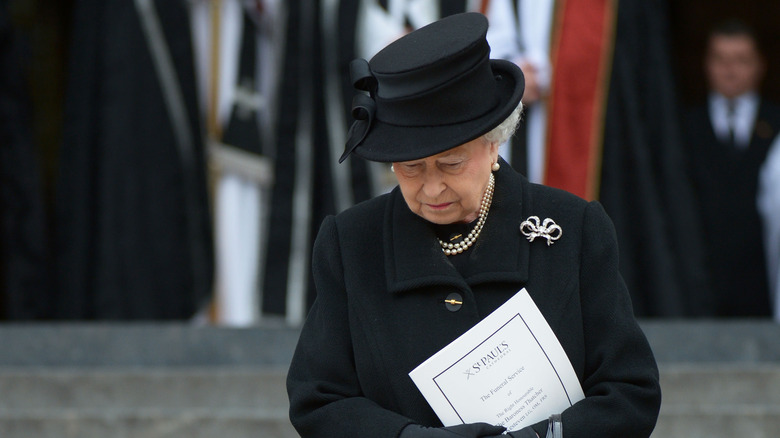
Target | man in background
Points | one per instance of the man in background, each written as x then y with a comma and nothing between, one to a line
727,142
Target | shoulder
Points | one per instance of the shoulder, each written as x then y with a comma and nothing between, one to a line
767,124
770,170
515,187
360,221
770,110
769,105
345,237
553,194
543,201
587,218
367,212
550,199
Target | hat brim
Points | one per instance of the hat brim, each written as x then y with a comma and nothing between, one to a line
393,143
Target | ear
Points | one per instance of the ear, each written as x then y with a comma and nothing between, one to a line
493,151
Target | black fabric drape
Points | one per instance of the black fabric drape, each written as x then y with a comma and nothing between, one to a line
133,234
644,187
451,7
23,242
303,89
280,218
243,130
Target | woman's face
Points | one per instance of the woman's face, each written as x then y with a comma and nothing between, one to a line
447,188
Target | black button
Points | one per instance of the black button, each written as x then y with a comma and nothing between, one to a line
453,302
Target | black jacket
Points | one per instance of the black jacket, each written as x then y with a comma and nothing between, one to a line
381,280
725,181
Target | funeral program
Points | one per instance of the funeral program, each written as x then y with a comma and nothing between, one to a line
509,370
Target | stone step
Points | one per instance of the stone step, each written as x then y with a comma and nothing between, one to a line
719,379
272,343
754,421
726,422
716,385
142,423
260,389
700,400
682,385
719,400
70,345
144,402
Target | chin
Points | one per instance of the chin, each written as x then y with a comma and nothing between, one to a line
440,219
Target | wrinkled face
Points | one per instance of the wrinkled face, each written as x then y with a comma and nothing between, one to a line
447,188
733,65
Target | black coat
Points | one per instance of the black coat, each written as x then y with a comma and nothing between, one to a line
381,280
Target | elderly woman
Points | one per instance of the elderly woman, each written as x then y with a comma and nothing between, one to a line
387,270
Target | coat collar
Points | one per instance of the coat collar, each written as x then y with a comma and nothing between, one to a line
413,258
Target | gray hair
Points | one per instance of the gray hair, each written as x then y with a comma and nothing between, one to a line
502,132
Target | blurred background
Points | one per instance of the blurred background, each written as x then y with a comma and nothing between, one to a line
134,190
165,166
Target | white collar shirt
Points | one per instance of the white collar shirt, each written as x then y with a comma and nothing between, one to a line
741,119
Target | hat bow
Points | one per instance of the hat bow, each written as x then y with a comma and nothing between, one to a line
363,105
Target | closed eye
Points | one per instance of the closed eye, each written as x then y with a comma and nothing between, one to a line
451,166
410,168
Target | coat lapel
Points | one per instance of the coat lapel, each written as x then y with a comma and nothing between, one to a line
502,253
413,258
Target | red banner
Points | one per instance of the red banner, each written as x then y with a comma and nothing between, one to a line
583,42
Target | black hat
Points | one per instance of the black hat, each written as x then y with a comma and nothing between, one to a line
431,90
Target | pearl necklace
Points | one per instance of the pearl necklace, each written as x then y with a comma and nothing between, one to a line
487,199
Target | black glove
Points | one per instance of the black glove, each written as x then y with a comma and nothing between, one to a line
526,432
473,430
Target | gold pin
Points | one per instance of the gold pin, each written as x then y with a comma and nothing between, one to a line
454,238
453,302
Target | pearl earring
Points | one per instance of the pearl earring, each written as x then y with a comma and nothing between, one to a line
392,168
495,166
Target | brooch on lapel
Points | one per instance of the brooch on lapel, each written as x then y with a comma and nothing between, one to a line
548,229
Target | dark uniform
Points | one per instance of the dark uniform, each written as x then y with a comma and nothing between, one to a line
725,180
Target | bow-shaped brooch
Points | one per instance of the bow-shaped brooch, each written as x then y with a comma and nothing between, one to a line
548,229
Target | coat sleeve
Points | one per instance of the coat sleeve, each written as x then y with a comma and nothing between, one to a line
620,376
326,399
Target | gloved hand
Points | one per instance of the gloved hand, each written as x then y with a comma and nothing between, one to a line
526,432
473,430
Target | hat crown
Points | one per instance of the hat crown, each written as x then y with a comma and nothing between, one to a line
438,74
452,41
430,90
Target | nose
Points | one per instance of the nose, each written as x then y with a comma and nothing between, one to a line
433,184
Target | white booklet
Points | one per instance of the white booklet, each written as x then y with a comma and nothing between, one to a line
509,370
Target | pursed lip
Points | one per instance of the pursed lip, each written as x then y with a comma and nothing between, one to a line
439,206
